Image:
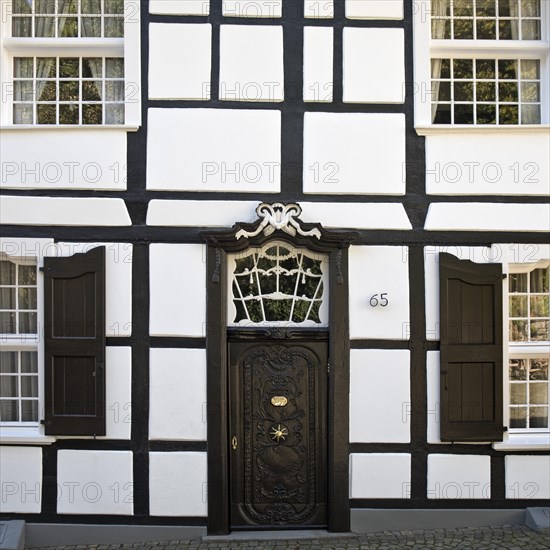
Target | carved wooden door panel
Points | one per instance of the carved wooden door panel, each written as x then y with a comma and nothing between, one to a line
278,431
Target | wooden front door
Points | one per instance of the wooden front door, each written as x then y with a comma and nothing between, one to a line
278,433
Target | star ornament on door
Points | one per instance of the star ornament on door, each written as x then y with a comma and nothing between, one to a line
278,433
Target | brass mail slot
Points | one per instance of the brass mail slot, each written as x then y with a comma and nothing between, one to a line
279,400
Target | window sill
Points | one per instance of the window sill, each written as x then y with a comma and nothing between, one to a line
524,442
488,129
24,436
95,127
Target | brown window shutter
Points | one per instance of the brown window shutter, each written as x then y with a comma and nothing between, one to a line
74,319
471,350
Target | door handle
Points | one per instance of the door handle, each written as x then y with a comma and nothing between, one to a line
234,442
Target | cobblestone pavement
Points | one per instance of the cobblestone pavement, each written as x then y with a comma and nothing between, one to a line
511,537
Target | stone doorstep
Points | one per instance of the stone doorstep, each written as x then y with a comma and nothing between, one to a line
278,535
12,535
538,519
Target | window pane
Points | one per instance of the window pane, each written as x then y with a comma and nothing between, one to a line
91,90
464,114
44,6
27,298
530,92
486,114
114,6
69,67
486,91
29,386
538,369
114,114
114,27
90,27
518,331
27,323
530,30
68,90
530,69
538,417
539,331
21,6
68,27
486,29
29,410
23,67
44,27
508,91
538,393
539,306
518,306
9,386
518,282
508,114
463,68
508,29
464,91
69,114
92,67
518,417
7,322
91,6
518,394
46,114
485,69
530,8
507,69
114,90
8,361
530,114
7,298
23,114
463,8
9,411
114,67
23,90
92,114
29,362
539,280
7,273
21,27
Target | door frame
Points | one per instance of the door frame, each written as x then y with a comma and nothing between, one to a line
279,222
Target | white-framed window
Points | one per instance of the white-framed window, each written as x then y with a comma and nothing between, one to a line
481,63
70,63
278,285
527,378
20,374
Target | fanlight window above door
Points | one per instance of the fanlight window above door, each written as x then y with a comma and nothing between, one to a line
278,284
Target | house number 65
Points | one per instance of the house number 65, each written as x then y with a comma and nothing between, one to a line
382,301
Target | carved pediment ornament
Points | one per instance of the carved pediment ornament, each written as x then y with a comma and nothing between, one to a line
279,217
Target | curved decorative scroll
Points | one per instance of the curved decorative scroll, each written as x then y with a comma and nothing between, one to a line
278,216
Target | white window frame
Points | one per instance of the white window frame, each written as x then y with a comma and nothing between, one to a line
128,47
323,311
426,49
520,439
34,250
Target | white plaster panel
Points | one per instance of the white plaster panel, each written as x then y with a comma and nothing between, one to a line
474,216
318,9
431,276
21,474
180,7
318,53
76,159
214,150
178,290
459,476
94,482
189,78
380,475
434,409
374,65
251,63
252,8
379,270
355,215
118,398
380,402
178,484
63,211
527,477
359,153
118,283
374,9
200,213
177,394
488,164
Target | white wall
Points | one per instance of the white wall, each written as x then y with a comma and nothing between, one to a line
94,482
380,475
459,476
318,53
488,164
177,290
214,150
177,409
380,397
527,477
178,484
376,270
359,153
374,9
77,159
21,480
180,7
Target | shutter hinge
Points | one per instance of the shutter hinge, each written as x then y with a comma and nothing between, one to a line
505,276
41,269
42,421
504,428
